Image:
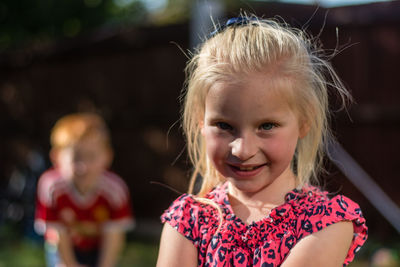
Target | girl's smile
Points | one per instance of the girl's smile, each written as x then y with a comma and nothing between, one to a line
246,171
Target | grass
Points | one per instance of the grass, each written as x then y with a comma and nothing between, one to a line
141,251
21,254
138,253
25,253
18,251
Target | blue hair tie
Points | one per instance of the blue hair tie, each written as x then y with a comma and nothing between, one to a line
233,22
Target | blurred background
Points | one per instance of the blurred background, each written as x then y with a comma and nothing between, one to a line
125,60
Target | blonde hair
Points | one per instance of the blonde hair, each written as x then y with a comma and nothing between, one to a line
255,46
76,127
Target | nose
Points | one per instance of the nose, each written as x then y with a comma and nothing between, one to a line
80,168
244,147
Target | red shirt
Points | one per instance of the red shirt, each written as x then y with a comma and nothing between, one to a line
225,240
85,217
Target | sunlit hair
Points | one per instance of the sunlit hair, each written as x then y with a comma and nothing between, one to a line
263,46
76,127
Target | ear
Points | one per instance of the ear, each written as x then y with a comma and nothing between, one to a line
54,153
304,129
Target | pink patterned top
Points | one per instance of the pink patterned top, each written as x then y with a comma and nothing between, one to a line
265,243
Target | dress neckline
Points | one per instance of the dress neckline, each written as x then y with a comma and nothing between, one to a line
221,196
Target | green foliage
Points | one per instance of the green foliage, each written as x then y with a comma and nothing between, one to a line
175,10
27,254
38,21
15,250
23,254
140,254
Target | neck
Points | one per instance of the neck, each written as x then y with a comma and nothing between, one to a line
271,195
84,186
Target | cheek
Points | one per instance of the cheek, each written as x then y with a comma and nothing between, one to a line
98,164
98,160
64,164
281,148
216,145
66,169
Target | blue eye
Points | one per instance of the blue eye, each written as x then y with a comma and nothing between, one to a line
223,126
267,126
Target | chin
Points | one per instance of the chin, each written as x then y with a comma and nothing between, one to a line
248,186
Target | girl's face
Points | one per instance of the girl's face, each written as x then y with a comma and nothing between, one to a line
250,132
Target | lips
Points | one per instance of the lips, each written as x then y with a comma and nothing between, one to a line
247,170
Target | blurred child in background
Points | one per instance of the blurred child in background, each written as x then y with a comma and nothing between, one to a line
83,209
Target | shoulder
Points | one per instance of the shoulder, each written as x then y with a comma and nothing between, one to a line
191,216
48,182
112,181
316,210
329,247
316,206
182,216
191,205
48,178
175,249
113,188
181,208
313,202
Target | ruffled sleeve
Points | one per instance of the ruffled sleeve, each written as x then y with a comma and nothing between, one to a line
321,212
183,216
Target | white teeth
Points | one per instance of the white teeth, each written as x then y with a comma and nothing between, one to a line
246,168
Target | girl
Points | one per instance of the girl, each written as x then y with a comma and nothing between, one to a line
256,121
